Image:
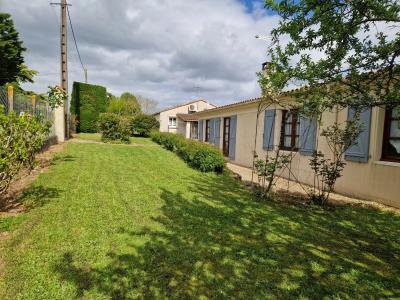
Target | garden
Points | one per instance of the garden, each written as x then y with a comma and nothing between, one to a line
124,221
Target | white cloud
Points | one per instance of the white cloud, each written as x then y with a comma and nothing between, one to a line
158,48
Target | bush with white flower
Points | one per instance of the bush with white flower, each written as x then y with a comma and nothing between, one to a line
56,96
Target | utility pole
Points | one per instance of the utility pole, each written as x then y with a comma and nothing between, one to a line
61,113
85,70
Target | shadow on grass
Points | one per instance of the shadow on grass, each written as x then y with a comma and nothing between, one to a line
61,157
38,196
220,244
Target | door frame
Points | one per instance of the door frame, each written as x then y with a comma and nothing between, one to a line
226,138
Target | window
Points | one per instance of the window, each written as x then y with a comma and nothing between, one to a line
172,122
290,129
391,136
207,136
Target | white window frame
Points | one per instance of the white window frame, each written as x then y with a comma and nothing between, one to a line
171,123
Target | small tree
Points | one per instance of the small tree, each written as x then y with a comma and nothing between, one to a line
357,58
328,170
147,105
143,124
126,105
266,172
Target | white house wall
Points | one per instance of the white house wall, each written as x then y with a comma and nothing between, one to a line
375,180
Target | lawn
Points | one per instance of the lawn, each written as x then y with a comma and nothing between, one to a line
96,137
123,222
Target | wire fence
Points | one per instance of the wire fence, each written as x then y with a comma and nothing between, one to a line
4,98
25,104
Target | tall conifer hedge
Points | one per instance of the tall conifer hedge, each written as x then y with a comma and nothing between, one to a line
87,102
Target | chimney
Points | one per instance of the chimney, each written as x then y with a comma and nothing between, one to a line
266,68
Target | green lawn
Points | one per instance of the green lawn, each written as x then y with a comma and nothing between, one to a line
96,137
122,222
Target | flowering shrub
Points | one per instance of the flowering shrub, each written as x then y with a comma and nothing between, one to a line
20,139
56,96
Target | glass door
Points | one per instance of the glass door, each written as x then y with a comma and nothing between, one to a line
227,126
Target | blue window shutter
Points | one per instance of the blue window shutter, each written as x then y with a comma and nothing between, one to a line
269,126
200,127
217,131
359,151
232,137
211,138
307,135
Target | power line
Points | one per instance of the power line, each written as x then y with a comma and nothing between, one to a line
76,44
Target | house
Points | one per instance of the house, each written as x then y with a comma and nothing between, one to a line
181,118
373,164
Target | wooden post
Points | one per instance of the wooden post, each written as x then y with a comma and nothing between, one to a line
33,102
10,97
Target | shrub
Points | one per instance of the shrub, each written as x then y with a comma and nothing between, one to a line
143,124
20,139
113,128
203,157
87,102
169,141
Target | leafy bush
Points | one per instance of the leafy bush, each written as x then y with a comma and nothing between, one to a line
20,139
114,128
203,157
87,102
126,105
143,124
169,141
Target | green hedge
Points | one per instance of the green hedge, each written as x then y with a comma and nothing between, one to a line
87,102
203,157
20,139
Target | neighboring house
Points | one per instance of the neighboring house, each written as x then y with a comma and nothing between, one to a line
373,165
181,118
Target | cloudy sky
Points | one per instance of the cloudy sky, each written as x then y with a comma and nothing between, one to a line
168,50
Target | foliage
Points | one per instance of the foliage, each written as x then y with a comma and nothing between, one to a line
56,96
344,51
169,141
11,49
203,157
328,170
266,171
126,105
120,222
87,102
143,124
20,139
114,128
26,74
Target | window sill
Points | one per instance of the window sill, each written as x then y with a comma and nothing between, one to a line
387,163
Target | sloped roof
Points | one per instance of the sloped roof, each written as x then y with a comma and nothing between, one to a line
183,104
247,101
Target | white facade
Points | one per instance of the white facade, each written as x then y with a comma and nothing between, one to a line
180,119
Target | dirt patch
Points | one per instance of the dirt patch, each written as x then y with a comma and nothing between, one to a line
9,205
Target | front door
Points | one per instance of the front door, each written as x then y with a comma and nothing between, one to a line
226,139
